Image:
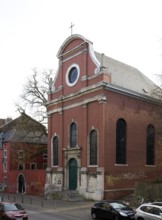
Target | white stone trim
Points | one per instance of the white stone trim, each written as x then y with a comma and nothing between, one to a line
67,74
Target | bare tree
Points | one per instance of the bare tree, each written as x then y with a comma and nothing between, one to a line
35,94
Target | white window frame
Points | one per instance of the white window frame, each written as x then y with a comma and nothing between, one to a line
33,164
67,74
5,154
21,164
44,165
5,167
20,154
45,156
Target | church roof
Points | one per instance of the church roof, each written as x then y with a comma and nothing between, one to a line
125,76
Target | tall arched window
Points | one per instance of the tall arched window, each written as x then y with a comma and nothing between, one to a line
93,148
73,135
150,157
55,151
121,142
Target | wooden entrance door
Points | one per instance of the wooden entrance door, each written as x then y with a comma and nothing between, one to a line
72,174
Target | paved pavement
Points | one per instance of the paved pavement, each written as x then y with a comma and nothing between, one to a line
44,203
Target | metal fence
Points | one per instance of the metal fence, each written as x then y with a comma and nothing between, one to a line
39,201
29,200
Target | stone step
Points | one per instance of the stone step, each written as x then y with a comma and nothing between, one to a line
71,195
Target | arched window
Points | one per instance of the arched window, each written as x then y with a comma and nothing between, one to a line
150,157
121,142
55,151
73,135
93,148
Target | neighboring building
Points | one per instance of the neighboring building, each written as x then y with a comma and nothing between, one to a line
101,129
23,156
4,121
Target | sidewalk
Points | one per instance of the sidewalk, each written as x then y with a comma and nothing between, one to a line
44,203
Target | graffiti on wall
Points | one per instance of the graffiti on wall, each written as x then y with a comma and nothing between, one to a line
112,179
33,186
92,183
128,175
132,175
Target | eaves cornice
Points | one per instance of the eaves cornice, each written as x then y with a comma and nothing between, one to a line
77,94
131,93
99,86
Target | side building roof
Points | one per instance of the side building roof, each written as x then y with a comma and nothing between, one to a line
24,129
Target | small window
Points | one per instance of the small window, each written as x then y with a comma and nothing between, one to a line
5,167
93,148
44,166
55,151
21,166
5,181
33,166
5,154
45,156
20,154
73,135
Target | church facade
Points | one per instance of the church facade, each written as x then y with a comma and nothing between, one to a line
101,125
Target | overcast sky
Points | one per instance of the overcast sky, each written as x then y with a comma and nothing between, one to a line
31,32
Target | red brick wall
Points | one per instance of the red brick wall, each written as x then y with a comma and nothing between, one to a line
102,116
34,181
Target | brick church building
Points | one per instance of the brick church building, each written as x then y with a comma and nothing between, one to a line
101,126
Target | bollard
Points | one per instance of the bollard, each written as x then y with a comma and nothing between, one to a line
22,199
2,197
54,204
42,203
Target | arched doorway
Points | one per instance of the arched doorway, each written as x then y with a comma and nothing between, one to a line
72,174
21,184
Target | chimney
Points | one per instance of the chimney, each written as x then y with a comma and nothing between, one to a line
8,119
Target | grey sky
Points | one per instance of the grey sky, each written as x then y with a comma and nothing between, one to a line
31,32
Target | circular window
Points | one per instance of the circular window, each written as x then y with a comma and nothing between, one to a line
72,75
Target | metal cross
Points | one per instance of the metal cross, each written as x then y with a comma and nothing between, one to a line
71,27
